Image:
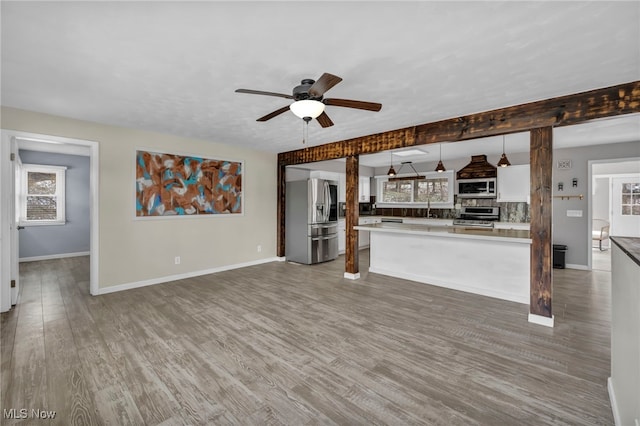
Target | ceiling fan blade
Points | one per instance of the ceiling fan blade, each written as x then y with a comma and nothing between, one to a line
274,113
324,83
324,120
349,103
260,92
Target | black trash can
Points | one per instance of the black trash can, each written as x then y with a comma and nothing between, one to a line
559,251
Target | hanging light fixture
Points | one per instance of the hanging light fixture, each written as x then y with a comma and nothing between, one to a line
392,171
503,162
396,177
307,109
440,167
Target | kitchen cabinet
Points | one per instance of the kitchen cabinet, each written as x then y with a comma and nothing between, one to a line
364,189
342,235
321,174
363,237
514,183
364,185
342,187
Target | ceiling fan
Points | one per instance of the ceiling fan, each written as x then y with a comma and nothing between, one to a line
309,102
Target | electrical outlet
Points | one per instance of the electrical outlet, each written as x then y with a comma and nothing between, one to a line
259,248
177,260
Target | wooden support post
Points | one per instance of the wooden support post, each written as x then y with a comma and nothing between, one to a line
282,206
351,218
541,153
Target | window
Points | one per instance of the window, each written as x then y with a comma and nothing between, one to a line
630,201
436,190
43,196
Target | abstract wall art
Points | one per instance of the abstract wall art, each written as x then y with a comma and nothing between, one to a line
179,185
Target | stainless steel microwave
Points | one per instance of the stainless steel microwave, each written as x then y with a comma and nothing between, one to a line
477,188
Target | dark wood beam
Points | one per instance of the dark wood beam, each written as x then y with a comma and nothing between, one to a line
351,215
282,206
541,153
555,112
362,145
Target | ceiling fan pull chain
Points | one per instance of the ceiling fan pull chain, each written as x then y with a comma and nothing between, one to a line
304,137
305,129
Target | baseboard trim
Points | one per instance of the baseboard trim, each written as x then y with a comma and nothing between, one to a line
574,266
53,256
161,280
351,276
614,403
281,259
541,320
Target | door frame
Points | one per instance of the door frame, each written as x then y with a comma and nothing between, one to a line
7,193
590,197
14,221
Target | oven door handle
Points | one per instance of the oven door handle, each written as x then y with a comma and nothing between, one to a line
326,237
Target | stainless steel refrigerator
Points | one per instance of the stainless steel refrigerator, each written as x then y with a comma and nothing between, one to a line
311,224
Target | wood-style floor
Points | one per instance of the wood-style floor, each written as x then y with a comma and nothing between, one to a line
288,344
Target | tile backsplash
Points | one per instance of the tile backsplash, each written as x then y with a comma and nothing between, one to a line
509,212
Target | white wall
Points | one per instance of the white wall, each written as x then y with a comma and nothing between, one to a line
135,251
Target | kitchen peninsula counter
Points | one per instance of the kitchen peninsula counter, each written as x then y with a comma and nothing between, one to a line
510,235
490,262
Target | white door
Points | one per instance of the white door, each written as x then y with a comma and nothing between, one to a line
625,207
15,222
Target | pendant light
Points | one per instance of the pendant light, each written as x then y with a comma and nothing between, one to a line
504,162
392,171
440,167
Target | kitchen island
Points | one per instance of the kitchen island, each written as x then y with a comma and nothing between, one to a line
486,261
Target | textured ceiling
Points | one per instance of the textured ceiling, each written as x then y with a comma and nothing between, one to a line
172,67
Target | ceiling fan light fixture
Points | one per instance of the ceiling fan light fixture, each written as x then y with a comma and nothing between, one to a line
504,161
307,108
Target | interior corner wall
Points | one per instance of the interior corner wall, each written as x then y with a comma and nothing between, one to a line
142,250
74,235
575,232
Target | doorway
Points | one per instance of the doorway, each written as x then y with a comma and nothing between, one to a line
610,206
12,142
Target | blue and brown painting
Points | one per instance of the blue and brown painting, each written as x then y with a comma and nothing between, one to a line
176,185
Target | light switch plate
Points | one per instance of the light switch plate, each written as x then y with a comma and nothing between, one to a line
574,213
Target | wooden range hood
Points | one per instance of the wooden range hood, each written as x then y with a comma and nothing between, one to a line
478,168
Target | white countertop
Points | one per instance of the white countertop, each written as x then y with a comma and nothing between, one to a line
507,235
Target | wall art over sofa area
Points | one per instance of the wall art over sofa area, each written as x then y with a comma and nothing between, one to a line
183,185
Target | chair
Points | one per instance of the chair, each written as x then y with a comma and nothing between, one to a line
600,231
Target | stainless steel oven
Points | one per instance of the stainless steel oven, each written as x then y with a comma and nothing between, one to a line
483,217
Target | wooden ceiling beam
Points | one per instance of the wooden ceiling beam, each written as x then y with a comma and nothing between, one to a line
555,112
